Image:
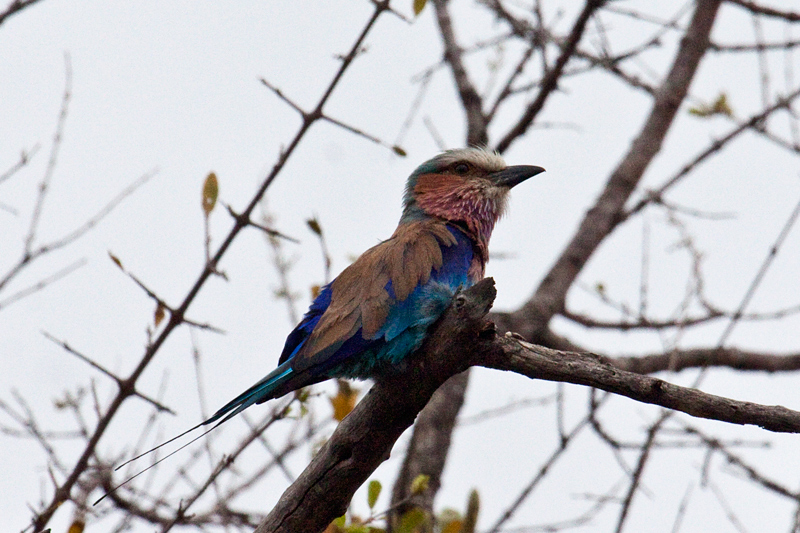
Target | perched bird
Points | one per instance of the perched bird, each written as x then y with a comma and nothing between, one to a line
376,312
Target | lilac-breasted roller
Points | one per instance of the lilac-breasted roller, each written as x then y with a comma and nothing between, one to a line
377,311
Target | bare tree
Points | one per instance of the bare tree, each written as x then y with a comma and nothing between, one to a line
542,54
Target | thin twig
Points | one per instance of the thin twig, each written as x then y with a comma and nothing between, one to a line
713,148
751,290
42,284
51,163
755,8
97,366
550,81
563,444
644,456
24,159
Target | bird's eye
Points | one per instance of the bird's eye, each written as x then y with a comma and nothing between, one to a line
461,169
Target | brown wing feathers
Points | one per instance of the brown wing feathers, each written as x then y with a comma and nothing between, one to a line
359,298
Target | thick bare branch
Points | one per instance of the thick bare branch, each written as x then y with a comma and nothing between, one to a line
429,446
365,437
708,357
473,105
539,362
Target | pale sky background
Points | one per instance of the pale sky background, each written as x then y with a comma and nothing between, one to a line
173,86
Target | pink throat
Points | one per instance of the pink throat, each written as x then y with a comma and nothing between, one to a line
468,204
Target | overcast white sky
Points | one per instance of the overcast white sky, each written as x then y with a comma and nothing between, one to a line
173,86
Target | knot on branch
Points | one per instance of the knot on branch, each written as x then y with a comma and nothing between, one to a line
456,333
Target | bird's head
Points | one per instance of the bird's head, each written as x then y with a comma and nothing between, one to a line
468,185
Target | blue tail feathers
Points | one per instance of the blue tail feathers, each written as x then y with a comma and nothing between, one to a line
260,392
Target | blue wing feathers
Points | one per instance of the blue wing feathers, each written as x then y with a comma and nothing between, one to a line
299,335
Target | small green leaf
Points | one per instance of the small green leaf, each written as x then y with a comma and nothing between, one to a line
419,5
471,518
373,491
600,288
411,520
420,484
399,151
210,193
719,107
116,260
337,526
302,395
313,223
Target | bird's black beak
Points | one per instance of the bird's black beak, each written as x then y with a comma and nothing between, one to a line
511,176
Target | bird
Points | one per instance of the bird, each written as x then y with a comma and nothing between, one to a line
376,312
373,315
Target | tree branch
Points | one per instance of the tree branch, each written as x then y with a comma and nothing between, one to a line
538,362
708,357
550,81
472,102
608,210
127,386
460,339
429,446
15,7
758,9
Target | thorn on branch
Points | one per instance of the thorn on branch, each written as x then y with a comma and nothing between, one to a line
280,95
245,221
